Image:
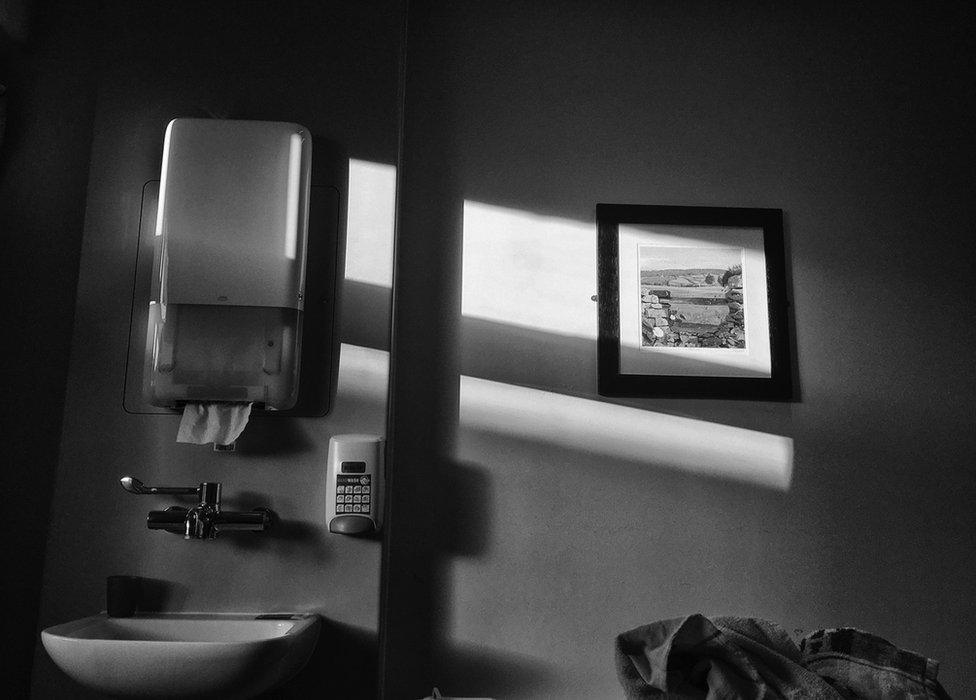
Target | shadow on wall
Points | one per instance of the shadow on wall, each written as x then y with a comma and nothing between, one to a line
506,674
457,525
366,314
343,665
529,538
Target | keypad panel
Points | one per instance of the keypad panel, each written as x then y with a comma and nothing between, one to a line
353,493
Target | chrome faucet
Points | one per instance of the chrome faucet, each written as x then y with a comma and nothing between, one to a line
203,521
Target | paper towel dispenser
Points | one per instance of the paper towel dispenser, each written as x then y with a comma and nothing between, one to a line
228,283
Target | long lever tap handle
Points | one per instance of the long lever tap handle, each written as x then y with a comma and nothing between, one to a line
133,485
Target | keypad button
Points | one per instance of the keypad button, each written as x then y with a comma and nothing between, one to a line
365,489
357,489
340,508
340,489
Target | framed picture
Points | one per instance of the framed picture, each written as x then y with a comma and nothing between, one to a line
692,302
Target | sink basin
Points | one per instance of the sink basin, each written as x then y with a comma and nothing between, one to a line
183,655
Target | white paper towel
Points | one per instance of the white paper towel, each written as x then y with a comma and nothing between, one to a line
219,423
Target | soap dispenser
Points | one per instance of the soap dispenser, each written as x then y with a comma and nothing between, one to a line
355,484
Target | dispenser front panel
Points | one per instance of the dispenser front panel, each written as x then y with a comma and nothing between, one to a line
233,210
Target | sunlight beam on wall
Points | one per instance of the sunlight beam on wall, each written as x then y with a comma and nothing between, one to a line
625,433
369,227
528,270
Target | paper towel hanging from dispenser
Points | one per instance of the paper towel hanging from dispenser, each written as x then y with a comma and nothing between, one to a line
227,297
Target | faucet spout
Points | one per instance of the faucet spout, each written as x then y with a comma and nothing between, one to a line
200,519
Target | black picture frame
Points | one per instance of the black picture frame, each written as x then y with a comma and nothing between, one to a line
774,384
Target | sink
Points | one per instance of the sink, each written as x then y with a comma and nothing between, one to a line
183,655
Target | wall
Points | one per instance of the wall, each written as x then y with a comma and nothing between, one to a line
332,67
43,173
533,521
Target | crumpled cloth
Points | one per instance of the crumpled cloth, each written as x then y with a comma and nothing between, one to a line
750,659
862,665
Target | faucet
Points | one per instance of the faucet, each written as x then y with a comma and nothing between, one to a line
204,520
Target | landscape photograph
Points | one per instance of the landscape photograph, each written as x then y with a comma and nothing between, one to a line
691,297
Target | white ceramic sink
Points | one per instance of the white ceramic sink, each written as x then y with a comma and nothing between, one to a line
183,655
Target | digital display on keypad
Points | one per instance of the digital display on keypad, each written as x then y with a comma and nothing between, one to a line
353,467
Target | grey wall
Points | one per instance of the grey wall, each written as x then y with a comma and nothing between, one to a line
515,557
332,67
43,172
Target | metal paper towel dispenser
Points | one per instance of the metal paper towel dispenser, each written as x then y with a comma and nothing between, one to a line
228,283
